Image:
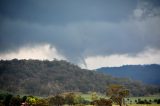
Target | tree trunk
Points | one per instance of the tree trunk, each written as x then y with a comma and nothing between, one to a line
121,102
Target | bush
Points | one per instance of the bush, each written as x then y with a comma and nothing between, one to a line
103,102
31,100
70,99
15,101
41,102
8,99
79,100
143,102
158,101
57,100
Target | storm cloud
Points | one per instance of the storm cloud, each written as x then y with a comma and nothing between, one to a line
79,29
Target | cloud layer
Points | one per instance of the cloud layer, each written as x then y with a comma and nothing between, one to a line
80,30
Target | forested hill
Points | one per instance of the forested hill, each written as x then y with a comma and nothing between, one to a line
149,74
43,78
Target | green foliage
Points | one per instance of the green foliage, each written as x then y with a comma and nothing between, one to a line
70,98
79,99
8,99
56,101
41,102
15,101
94,96
76,99
103,102
24,98
143,102
31,100
11,100
2,96
117,93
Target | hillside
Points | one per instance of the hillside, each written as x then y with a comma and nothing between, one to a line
44,78
148,74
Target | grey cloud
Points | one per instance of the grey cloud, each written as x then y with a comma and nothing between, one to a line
77,37
78,40
62,11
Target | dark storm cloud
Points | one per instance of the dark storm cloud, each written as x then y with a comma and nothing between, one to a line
79,28
65,11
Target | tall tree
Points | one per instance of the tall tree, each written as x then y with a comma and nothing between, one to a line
56,101
117,93
70,99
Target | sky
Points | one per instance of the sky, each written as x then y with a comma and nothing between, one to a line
89,33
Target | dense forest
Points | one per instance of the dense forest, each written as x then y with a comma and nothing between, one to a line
44,78
148,74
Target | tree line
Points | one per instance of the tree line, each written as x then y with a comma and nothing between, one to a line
117,95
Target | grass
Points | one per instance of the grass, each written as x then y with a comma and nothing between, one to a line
88,96
152,98
133,100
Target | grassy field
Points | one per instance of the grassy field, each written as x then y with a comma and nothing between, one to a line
134,100
131,101
88,96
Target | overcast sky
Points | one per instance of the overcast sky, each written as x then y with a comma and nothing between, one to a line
89,33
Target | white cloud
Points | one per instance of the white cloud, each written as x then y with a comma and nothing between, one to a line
41,52
149,56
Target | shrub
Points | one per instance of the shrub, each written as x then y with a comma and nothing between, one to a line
56,101
103,102
158,101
